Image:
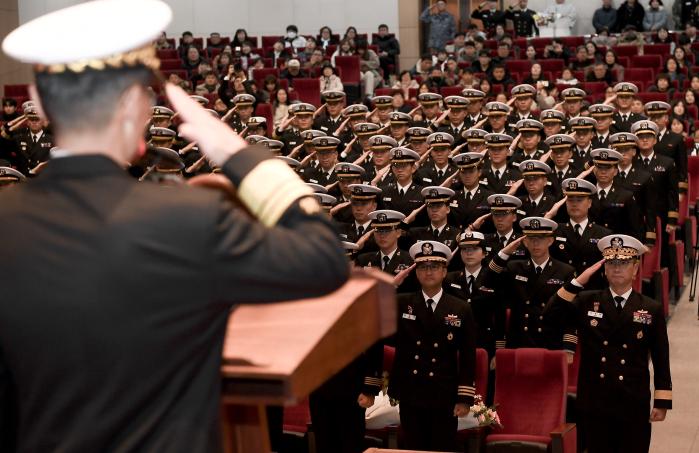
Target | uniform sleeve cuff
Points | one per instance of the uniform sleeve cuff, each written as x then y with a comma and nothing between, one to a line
500,344
662,399
568,292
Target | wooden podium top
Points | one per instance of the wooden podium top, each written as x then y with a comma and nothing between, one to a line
278,353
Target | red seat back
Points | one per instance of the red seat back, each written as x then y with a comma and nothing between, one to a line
384,92
530,390
657,49
641,74
266,111
268,41
647,61
168,65
350,69
297,418
653,96
259,75
451,91
17,91
553,65
625,51
308,90
518,65
482,367
389,355
168,54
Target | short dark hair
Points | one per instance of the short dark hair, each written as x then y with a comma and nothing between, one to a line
187,33
293,28
9,102
383,26
77,102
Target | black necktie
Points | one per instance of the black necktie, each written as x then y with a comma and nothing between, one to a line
469,285
619,300
497,175
602,195
624,118
538,270
429,303
503,240
622,175
560,176
386,259
578,228
33,138
401,192
646,161
360,231
440,174
601,139
468,196
533,204
435,233
456,132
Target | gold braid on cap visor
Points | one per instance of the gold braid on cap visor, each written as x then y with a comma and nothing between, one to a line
620,253
145,56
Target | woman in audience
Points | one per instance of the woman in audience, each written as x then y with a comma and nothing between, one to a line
346,48
221,63
672,69
567,78
451,72
270,85
325,38
369,65
663,37
487,88
679,110
329,80
546,95
192,61
655,17
239,38
399,104
535,75
405,83
593,52
162,43
530,53
350,33
677,125
581,60
280,106
424,88
611,61
690,99
683,60
694,84
662,85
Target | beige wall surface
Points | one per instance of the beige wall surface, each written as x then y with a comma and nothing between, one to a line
10,71
409,32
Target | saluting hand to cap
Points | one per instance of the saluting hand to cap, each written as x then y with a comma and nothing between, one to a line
216,140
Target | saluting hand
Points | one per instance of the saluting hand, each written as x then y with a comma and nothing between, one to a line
510,248
585,275
216,140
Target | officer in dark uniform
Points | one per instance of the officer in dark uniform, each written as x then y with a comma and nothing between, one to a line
665,183
538,200
504,210
384,107
434,368
475,140
400,122
326,152
561,160
244,109
29,145
161,137
497,113
603,114
302,120
356,113
618,330
576,239
468,284
554,122
307,149
379,165
364,200
528,284
347,174
475,105
499,175
430,104
669,143
388,228
403,194
274,146
584,127
633,177
325,200
572,102
161,116
437,200
471,202
613,207
331,119
488,13
524,99
528,148
523,19
624,117
417,140
437,168
363,131
455,122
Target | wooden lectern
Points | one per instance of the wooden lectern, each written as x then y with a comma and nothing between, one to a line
278,353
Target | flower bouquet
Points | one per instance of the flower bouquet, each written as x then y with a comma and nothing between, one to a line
484,415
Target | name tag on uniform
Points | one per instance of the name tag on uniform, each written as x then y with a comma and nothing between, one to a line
454,285
561,239
659,168
427,179
595,314
408,316
313,181
454,204
323,128
554,281
387,199
521,278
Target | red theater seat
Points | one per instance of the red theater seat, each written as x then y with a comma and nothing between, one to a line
308,90
350,69
530,391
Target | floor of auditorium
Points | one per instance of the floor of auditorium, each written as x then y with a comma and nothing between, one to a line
679,433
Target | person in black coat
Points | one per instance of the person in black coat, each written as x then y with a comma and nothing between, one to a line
389,49
669,143
538,200
433,374
28,146
126,351
631,12
617,330
471,202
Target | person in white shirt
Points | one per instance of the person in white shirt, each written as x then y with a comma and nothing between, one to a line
558,19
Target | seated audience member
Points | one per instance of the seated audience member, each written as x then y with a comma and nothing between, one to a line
329,81
210,84
567,78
